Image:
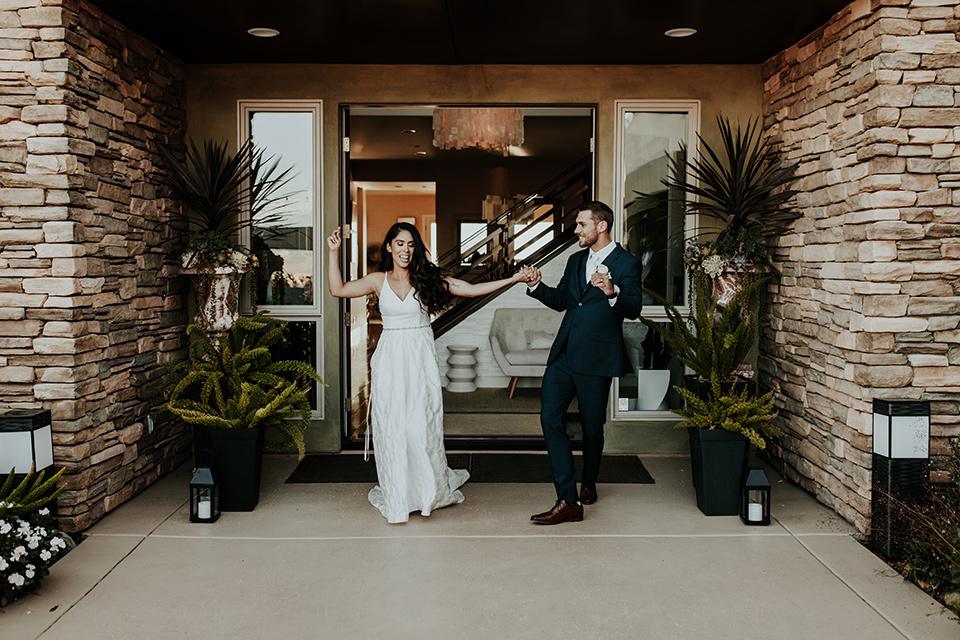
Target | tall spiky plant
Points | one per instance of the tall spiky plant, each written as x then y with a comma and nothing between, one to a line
240,385
718,338
224,193
743,185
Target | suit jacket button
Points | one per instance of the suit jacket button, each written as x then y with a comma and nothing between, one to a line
579,304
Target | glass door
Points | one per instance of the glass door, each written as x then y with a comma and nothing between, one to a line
395,172
652,227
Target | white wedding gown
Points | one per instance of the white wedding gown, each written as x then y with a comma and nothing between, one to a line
406,415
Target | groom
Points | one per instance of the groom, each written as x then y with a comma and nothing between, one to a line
599,288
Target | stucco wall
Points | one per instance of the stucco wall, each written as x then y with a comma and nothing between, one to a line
213,91
869,300
87,309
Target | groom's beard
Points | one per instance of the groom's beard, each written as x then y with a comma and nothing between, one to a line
588,241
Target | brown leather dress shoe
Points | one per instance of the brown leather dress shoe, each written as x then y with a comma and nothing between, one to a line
561,512
588,493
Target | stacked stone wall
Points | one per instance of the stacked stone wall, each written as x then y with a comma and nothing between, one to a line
868,305
88,304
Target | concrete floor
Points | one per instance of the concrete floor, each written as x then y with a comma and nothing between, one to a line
317,561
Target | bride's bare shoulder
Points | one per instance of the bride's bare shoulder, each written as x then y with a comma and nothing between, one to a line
376,278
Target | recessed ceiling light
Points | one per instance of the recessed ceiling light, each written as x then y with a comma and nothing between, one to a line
681,32
263,32
408,131
420,153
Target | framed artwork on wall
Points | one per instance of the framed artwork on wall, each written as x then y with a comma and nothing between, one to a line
410,220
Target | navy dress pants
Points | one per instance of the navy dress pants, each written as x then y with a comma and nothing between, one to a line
560,384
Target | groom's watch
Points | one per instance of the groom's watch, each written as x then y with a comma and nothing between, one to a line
616,292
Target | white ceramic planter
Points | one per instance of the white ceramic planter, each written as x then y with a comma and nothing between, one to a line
652,386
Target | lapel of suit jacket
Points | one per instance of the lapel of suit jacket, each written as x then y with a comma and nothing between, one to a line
581,278
613,257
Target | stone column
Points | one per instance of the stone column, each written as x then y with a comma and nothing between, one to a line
88,304
869,302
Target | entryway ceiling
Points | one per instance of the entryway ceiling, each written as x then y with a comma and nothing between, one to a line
473,31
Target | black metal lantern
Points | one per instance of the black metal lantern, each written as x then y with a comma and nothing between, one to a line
755,499
204,496
26,440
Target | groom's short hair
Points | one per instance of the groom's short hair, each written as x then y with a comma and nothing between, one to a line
599,211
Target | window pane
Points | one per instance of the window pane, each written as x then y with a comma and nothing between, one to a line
653,219
656,371
286,275
470,234
299,342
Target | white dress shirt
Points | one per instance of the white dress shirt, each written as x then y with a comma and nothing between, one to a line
595,259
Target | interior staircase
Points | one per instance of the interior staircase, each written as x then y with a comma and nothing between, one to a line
493,254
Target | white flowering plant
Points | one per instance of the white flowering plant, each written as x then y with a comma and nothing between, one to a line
29,540
211,250
747,250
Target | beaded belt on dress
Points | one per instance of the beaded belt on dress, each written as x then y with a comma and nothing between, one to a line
422,326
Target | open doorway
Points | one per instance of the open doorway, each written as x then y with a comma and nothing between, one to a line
393,172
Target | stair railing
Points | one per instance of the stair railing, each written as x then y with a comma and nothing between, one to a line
494,253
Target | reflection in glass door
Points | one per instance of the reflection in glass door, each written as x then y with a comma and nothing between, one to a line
455,198
653,227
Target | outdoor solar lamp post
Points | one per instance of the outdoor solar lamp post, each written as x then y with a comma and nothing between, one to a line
26,441
901,468
755,499
204,496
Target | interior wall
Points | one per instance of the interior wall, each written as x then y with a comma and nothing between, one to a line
213,92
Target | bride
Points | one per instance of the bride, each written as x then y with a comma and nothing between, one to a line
406,406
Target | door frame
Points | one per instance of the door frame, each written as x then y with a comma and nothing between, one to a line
345,218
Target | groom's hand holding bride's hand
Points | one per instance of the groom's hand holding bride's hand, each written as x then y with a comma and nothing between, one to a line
532,276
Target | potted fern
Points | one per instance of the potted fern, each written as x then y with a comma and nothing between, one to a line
234,388
722,426
722,415
718,338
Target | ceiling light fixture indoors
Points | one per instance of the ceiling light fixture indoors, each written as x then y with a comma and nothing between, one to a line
680,32
485,128
263,32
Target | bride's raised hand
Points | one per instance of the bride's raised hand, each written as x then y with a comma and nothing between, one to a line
333,242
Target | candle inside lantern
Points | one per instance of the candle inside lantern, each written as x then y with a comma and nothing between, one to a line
755,512
203,510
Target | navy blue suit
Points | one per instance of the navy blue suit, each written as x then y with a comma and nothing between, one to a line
588,353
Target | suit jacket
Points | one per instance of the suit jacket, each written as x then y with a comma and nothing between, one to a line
592,330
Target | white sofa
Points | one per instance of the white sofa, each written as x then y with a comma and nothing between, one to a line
521,340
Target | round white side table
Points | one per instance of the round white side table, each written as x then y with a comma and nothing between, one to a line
462,373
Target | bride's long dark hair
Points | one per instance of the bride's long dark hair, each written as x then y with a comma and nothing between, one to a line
429,287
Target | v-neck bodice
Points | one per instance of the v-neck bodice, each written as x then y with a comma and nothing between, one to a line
401,313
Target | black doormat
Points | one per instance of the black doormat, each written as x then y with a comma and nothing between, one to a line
483,467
